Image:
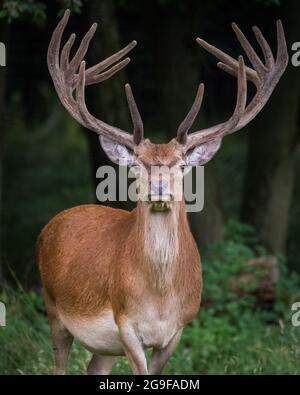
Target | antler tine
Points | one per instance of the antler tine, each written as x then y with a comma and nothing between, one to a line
92,79
54,46
187,123
264,76
269,58
63,72
82,50
104,64
65,53
241,98
80,89
138,127
282,52
252,55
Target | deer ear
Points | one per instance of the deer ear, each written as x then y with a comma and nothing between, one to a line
117,152
203,153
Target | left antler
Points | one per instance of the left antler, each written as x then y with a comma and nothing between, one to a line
265,76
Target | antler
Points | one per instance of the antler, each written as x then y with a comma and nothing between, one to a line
265,76
66,80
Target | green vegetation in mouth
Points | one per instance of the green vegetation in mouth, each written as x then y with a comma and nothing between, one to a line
160,206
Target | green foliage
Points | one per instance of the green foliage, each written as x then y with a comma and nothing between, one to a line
14,9
73,5
34,10
231,335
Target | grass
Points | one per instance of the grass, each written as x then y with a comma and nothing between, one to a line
231,335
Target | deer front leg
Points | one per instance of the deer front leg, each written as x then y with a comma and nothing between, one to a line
100,364
133,348
161,356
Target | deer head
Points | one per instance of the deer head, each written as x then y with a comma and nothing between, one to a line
70,78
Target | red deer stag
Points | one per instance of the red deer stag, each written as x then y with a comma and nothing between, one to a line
121,282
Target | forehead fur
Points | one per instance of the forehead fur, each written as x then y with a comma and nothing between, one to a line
159,154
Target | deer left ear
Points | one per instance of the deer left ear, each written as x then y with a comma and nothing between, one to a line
203,153
117,153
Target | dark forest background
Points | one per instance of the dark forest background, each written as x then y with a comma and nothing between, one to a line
48,162
249,230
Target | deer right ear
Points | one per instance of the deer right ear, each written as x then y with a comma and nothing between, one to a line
117,153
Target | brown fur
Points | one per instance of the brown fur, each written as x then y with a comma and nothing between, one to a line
141,267
92,256
159,154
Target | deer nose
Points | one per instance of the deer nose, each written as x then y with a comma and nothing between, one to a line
158,187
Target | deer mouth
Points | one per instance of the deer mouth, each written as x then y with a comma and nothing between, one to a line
160,203
160,206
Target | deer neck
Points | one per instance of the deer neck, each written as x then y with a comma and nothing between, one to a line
161,236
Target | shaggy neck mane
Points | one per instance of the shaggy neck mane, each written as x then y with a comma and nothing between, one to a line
161,233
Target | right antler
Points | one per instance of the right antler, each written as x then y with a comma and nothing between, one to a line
265,76
64,74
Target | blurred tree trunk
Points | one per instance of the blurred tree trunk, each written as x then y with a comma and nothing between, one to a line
178,68
3,36
105,100
272,145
